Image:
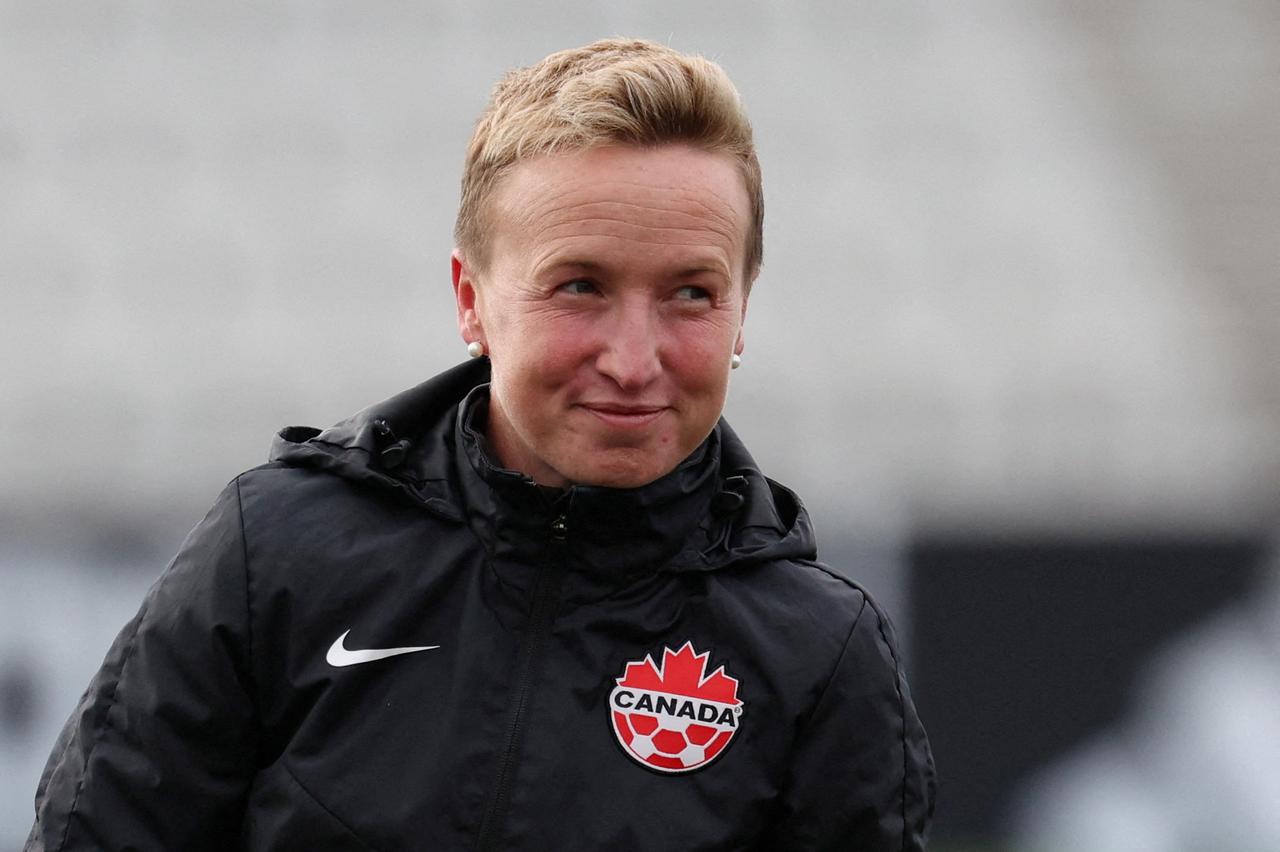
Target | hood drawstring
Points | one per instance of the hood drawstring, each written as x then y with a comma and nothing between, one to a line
724,506
391,452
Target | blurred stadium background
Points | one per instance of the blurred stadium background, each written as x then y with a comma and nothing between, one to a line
1016,341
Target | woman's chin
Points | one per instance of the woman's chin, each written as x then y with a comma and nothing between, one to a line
620,468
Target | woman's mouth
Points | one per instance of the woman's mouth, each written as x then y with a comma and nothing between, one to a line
625,416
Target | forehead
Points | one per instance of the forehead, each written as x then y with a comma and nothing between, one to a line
670,199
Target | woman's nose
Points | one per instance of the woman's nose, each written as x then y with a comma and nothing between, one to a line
629,354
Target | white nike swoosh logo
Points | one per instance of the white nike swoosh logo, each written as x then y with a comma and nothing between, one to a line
339,656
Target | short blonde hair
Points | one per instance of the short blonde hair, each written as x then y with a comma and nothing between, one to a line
613,91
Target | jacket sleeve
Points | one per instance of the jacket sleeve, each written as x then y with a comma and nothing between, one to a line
160,752
863,777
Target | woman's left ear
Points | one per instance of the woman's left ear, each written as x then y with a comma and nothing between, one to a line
742,320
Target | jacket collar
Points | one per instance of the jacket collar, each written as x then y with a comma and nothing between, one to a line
617,534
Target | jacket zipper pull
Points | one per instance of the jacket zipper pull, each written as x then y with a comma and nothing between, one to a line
560,528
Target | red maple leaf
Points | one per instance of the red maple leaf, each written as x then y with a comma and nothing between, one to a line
683,672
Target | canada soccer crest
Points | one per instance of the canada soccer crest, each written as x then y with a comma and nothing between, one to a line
675,717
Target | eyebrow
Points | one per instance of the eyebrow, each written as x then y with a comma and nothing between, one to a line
713,268
596,268
569,263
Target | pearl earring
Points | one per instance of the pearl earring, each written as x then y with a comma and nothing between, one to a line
475,349
735,361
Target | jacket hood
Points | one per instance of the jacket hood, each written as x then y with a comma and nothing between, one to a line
426,445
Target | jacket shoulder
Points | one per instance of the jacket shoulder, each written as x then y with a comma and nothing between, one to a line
849,594
811,598
277,498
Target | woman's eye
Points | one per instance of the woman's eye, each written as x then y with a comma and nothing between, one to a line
693,292
579,287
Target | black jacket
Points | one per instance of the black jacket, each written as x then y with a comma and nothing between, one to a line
660,668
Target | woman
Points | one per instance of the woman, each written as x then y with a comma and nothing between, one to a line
545,600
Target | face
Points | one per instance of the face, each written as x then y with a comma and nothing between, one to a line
611,303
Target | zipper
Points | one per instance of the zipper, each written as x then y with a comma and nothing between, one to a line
542,613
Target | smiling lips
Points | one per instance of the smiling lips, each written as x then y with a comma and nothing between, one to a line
624,416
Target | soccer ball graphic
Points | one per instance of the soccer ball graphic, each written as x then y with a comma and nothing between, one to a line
671,738
675,717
